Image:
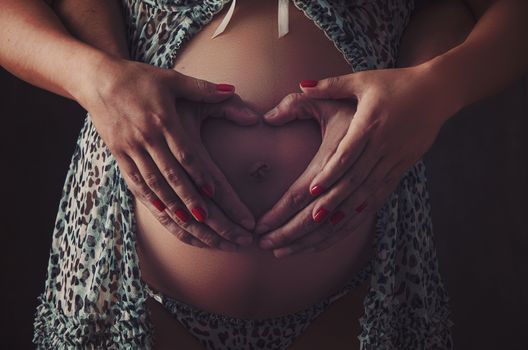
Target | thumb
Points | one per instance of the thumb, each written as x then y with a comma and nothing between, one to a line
199,90
342,86
291,107
234,110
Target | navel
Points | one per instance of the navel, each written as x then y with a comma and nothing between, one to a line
259,171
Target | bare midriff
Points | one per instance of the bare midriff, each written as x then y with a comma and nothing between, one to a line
252,283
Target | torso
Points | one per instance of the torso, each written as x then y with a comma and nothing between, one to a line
252,283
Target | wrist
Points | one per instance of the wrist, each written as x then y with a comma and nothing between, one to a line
95,73
445,83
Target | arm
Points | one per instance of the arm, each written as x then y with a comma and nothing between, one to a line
98,23
399,114
133,108
37,48
493,55
433,30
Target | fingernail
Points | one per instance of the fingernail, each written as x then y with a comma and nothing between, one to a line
182,215
225,87
158,204
207,190
281,253
199,214
266,244
337,217
248,224
272,113
261,228
316,190
308,83
320,215
244,240
228,247
361,207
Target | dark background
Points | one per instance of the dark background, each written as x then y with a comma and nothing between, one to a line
478,181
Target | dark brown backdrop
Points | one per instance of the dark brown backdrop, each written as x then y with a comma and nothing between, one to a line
478,180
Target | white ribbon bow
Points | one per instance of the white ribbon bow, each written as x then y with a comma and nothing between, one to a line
282,18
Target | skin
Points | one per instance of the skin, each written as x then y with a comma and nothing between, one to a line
388,133
162,166
452,64
245,282
157,166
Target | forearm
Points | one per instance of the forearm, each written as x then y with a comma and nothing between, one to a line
37,48
493,55
433,30
99,23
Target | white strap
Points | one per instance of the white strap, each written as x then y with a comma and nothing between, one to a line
282,17
225,21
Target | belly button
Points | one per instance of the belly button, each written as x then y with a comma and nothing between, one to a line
259,171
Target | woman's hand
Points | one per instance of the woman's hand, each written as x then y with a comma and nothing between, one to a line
363,154
146,117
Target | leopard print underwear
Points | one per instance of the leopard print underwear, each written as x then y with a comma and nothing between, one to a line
221,332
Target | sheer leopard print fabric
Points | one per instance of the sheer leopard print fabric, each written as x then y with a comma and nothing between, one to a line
94,296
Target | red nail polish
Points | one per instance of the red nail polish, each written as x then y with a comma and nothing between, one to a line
158,204
308,83
225,87
337,217
199,214
320,215
182,215
316,190
361,207
207,190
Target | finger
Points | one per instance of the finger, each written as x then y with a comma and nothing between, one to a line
351,148
143,193
360,182
369,201
291,107
297,196
207,235
355,220
204,173
177,220
299,226
233,109
199,90
225,228
343,86
184,188
149,163
333,231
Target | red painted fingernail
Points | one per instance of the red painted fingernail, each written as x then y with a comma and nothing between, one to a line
207,190
338,216
225,87
316,190
198,213
320,215
308,83
182,215
361,207
158,204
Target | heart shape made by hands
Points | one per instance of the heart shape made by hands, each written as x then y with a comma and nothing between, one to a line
261,161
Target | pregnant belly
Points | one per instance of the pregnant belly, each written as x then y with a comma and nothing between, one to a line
252,283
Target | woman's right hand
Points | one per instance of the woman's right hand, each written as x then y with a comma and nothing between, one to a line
135,108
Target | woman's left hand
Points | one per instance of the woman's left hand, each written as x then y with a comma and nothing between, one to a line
363,154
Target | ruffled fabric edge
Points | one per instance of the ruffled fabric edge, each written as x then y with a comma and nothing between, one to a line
394,321
396,330
121,330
